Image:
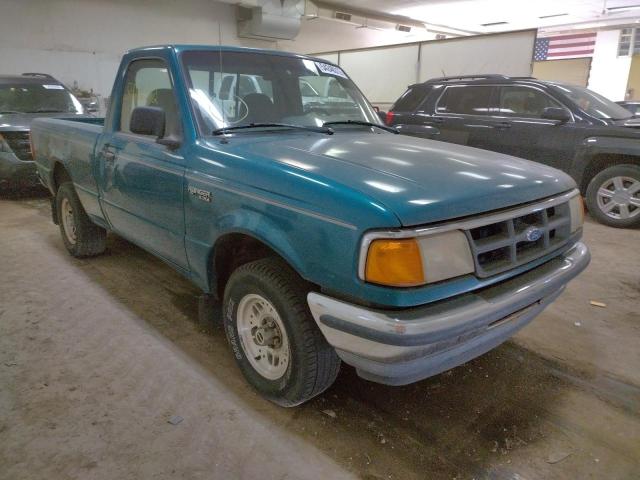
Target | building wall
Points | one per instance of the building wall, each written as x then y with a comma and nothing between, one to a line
81,41
327,35
609,72
574,71
633,88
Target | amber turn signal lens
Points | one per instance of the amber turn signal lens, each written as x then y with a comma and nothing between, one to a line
395,263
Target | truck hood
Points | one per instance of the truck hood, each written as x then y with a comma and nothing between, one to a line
23,121
421,181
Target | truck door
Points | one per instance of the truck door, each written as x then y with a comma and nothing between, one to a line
142,181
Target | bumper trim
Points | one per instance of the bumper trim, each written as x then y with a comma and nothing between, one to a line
391,346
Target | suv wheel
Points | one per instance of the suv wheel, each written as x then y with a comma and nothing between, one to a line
277,344
613,196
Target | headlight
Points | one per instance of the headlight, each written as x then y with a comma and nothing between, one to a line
415,261
576,209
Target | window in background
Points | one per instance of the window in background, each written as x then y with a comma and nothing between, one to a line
629,43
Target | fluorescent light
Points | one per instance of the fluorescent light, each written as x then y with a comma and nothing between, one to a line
493,24
624,7
553,15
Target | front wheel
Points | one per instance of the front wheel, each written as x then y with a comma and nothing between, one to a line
275,341
613,196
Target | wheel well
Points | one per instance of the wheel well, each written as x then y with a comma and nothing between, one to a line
603,161
60,175
232,251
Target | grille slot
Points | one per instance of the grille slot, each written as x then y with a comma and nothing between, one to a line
507,244
19,143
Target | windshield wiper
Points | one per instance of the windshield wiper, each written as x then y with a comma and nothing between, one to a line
323,129
361,122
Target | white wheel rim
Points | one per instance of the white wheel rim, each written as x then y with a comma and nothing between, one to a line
68,221
619,198
263,337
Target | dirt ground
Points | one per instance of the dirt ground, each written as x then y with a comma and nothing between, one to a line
97,355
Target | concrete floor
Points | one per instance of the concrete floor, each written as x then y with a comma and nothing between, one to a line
96,355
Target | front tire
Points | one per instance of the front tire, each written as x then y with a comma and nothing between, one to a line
613,196
275,341
81,237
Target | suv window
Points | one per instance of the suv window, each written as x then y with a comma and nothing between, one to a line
467,100
148,84
519,101
411,99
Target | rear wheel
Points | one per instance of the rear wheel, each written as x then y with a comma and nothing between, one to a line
613,196
80,235
277,344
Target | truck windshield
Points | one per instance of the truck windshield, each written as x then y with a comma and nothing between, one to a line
594,104
37,98
230,89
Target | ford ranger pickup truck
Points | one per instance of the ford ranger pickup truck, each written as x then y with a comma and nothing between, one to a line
326,235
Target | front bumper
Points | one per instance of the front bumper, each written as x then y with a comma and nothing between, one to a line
403,346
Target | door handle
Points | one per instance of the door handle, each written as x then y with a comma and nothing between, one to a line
109,154
502,125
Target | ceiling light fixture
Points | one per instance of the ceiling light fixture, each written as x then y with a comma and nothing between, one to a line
553,15
623,7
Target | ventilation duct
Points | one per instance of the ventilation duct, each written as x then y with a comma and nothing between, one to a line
271,19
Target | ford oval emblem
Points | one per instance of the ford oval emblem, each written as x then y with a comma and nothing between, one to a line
532,234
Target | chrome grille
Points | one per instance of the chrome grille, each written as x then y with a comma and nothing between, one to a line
19,143
509,243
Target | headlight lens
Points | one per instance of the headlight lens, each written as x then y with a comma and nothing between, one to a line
576,207
411,262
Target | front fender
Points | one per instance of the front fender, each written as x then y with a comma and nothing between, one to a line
592,147
264,229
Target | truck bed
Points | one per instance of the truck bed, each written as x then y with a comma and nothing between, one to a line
66,141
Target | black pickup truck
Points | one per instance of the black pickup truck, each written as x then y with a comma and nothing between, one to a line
24,98
568,127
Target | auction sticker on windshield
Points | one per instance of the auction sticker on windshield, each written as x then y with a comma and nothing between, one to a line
53,87
330,69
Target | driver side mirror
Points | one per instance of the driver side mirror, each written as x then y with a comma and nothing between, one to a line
147,121
152,121
556,113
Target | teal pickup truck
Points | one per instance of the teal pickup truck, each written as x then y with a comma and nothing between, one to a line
326,236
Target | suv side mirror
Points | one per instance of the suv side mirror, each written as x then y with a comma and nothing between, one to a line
147,121
556,113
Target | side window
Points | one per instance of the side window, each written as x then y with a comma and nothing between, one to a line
523,102
471,100
148,84
411,99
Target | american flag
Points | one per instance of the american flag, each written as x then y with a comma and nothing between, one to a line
564,46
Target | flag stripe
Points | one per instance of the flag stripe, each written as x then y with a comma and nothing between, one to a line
571,37
572,53
571,44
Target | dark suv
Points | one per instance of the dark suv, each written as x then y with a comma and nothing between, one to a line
568,127
23,98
